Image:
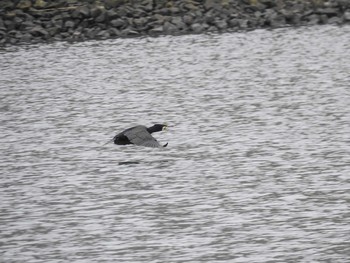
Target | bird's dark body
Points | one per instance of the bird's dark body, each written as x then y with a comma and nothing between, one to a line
139,135
121,139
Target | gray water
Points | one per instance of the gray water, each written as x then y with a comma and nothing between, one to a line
258,163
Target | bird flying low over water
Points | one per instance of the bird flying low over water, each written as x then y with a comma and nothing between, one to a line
140,135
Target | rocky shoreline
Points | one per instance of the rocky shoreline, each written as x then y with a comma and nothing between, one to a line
35,21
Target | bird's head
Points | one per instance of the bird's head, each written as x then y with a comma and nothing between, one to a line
158,127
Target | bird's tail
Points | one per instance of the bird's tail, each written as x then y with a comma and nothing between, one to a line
165,145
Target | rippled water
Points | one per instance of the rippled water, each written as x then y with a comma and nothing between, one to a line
258,163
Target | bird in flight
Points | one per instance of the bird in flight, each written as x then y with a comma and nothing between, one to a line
140,135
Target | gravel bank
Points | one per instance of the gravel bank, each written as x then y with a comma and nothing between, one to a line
33,21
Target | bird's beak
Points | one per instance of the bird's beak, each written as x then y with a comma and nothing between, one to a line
165,128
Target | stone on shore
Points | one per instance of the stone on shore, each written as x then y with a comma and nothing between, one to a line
24,4
81,12
198,28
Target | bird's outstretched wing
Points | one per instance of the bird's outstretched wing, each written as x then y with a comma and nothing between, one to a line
139,135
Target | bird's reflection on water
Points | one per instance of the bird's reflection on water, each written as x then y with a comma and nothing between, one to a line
142,162
129,162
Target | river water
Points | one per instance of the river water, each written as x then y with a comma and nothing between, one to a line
258,163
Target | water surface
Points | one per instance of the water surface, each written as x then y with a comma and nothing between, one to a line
257,168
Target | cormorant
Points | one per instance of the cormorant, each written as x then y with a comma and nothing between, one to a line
140,135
